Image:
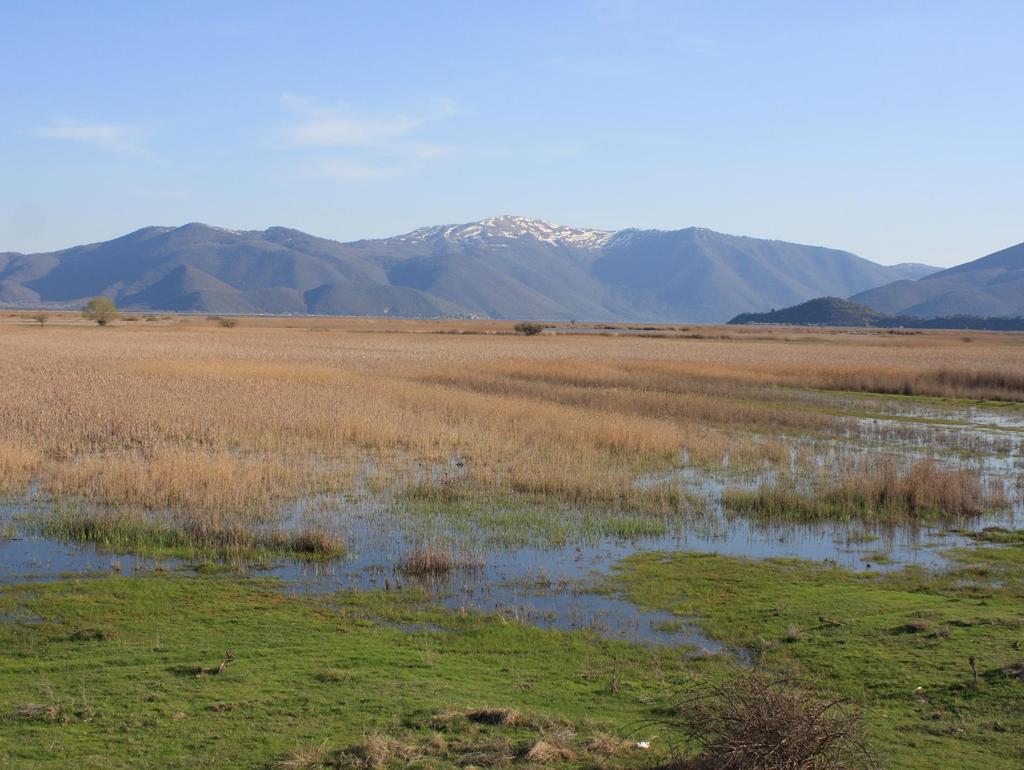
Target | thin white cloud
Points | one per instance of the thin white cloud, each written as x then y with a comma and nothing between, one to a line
354,170
318,126
120,138
350,145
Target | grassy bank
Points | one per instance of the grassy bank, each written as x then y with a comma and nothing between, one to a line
900,644
175,672
127,673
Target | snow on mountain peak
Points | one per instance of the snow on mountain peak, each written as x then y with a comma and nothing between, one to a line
504,227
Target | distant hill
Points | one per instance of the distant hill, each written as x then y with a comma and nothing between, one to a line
833,311
502,267
823,311
990,286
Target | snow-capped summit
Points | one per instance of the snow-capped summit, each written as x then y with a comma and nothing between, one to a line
509,227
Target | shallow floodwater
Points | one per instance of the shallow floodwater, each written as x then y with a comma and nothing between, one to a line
561,587
558,587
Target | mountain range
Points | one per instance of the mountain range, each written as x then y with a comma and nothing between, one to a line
987,293
991,286
501,267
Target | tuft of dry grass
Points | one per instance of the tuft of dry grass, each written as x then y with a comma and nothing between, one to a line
375,753
56,709
554,745
49,712
434,559
305,759
543,752
607,745
315,542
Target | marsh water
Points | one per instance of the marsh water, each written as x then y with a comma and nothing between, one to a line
564,586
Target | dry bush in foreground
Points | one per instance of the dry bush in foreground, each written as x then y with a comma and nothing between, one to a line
757,720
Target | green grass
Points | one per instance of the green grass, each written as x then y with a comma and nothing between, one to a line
116,659
509,521
876,638
120,672
150,535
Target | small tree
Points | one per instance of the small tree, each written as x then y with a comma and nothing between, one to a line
41,318
529,328
102,310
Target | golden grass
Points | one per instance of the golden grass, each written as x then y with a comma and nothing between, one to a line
874,488
182,415
18,464
544,752
176,479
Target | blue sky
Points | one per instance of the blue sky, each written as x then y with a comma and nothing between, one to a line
892,129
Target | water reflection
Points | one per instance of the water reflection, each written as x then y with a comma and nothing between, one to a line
559,586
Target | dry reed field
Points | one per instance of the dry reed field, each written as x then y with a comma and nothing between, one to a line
206,430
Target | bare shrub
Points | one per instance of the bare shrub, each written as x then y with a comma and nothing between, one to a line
757,720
